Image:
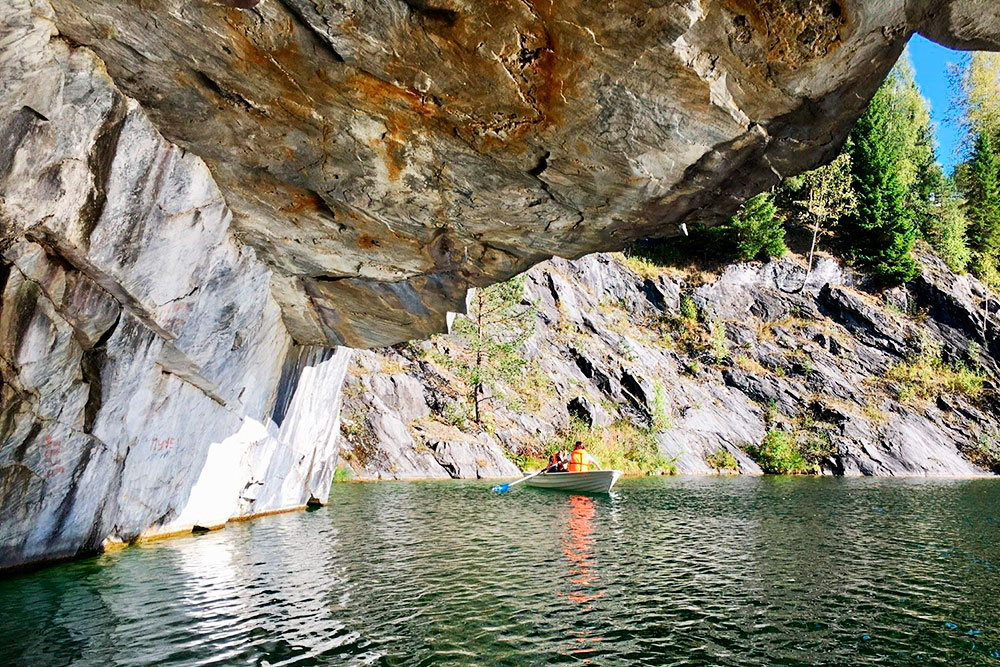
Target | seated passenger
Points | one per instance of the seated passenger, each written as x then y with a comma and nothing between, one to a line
581,461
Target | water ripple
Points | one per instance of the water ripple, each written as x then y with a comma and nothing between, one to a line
665,572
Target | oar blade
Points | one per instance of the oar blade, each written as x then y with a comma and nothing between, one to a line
501,488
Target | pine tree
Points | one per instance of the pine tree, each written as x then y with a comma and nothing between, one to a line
757,230
879,235
982,183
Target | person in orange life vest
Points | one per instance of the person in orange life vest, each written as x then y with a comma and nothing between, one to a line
581,461
557,461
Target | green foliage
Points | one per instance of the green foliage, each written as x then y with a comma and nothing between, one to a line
527,461
984,451
818,198
945,228
497,326
755,232
648,257
879,235
926,376
719,343
722,460
817,447
360,438
977,95
456,413
642,265
982,183
689,311
919,173
660,410
342,474
972,352
976,85
771,413
779,454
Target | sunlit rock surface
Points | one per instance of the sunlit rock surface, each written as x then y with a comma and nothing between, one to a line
810,358
389,433
148,379
383,155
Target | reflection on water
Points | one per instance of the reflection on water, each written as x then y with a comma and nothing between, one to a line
668,571
578,545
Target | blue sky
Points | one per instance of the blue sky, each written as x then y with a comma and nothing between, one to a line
930,64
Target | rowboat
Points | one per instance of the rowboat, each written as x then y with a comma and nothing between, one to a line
594,481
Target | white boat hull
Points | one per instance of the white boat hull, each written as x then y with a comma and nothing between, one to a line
595,481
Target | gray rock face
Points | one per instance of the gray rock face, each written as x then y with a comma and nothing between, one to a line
141,350
381,156
612,347
387,433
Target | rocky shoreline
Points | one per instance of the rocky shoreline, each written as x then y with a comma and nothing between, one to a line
826,363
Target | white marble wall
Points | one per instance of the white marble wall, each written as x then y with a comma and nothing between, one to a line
141,350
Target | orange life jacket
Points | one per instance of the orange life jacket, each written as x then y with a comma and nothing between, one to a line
579,461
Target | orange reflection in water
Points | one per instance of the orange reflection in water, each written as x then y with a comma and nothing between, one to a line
578,545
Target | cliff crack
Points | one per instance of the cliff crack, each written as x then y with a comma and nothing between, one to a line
228,94
13,134
324,37
442,15
99,161
91,365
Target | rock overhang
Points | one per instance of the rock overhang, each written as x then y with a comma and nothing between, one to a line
383,156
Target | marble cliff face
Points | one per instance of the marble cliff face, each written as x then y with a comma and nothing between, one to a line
199,200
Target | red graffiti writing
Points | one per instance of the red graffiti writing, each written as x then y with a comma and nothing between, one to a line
52,453
163,445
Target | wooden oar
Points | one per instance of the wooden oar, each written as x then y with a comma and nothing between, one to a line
501,488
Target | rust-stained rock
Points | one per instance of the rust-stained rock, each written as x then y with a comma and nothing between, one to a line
350,137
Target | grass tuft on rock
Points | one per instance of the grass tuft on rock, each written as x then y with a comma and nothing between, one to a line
926,376
723,462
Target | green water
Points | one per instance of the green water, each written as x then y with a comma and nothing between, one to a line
673,571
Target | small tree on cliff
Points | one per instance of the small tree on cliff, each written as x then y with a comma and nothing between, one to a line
497,326
879,235
820,197
756,231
